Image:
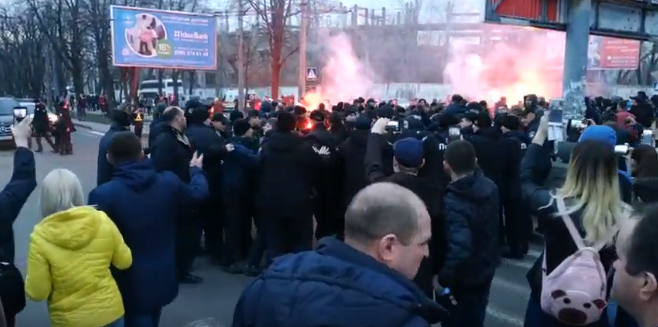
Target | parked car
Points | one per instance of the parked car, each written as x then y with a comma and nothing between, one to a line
7,119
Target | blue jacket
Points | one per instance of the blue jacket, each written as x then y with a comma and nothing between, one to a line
103,167
143,204
238,164
12,198
337,286
454,109
471,213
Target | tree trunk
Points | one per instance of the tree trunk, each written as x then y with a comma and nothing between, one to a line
276,77
174,77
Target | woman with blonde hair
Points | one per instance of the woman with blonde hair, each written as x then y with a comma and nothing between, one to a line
593,201
71,251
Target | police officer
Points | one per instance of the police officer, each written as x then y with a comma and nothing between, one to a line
489,147
41,126
327,191
517,224
288,162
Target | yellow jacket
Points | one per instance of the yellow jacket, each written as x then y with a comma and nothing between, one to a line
69,265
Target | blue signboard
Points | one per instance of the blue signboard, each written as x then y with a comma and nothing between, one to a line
163,39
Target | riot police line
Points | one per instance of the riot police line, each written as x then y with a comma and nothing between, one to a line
289,176
409,238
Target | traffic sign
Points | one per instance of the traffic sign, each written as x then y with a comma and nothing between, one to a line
311,73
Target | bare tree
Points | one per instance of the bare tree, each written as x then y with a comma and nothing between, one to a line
256,55
98,12
275,16
63,24
21,55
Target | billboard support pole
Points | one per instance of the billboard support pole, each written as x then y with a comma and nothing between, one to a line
241,57
134,82
575,58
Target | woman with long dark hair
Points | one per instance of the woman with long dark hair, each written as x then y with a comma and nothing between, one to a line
644,166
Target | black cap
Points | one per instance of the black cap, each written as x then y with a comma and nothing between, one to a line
253,113
219,117
240,127
362,123
317,115
385,112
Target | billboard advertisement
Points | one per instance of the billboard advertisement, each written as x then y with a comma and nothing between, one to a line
163,39
607,53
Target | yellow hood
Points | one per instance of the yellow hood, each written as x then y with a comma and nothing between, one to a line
71,229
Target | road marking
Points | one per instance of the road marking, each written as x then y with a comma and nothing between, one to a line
527,262
522,288
511,320
96,133
204,322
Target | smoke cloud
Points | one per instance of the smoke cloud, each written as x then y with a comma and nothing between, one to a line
511,69
506,61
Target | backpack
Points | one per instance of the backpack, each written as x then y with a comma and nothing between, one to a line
12,287
575,291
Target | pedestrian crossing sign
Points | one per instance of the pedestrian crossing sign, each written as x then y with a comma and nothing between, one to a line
311,73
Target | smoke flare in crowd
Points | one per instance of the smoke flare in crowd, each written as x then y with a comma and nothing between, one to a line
517,62
343,75
509,69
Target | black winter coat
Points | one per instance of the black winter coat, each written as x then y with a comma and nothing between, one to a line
432,196
472,223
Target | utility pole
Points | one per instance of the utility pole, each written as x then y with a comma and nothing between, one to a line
220,16
241,56
303,24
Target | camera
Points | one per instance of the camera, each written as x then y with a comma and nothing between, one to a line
622,149
393,126
578,124
20,113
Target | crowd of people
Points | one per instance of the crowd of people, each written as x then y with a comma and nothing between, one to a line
362,214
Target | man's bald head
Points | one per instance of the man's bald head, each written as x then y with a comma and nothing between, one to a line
382,209
170,108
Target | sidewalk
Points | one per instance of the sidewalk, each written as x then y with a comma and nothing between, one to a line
102,128
147,118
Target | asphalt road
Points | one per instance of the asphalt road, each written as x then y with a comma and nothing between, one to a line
211,303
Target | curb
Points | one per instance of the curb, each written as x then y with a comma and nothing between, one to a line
87,127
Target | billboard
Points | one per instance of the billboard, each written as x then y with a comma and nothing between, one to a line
163,39
607,53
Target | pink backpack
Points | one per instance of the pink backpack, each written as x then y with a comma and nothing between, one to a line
575,291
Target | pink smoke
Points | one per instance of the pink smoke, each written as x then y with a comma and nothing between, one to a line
511,69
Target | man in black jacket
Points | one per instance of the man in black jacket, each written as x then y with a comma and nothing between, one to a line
120,123
327,198
471,213
288,168
351,156
517,223
408,158
203,137
172,152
